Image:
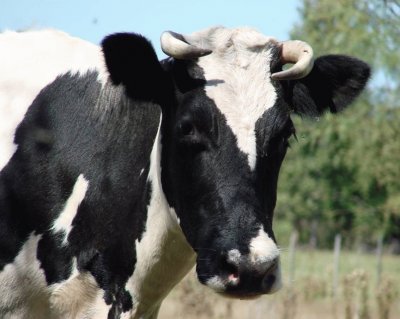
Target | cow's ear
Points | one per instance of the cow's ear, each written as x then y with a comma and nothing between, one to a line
334,82
132,62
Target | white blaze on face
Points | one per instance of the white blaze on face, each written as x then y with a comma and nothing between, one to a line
63,223
238,80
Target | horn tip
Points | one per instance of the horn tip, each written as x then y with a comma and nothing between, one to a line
276,76
206,52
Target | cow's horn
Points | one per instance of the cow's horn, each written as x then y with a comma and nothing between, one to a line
176,46
301,54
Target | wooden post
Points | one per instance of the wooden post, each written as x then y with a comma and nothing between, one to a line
336,259
379,252
289,300
313,236
292,256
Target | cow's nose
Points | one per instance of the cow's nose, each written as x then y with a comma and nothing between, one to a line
229,267
240,277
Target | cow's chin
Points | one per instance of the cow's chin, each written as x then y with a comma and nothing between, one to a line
227,289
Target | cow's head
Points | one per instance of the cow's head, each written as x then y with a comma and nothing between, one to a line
226,107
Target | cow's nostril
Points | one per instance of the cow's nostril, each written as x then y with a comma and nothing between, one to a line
233,279
268,282
227,267
229,270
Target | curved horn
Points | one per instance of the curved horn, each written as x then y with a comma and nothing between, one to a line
301,54
175,45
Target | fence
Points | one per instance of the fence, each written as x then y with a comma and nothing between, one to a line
336,260
317,284
357,280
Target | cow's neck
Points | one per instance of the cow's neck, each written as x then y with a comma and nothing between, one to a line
163,255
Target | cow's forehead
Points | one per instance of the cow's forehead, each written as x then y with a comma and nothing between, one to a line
237,76
223,40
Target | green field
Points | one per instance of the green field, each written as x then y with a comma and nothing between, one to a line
308,296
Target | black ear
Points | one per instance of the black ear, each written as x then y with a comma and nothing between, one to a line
334,82
132,61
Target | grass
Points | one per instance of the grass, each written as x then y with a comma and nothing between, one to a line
308,296
319,264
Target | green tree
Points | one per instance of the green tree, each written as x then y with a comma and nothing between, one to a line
343,174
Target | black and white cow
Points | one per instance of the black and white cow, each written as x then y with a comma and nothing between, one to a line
123,172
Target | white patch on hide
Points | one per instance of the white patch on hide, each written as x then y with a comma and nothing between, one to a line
28,62
63,223
163,254
23,284
238,80
174,216
98,309
76,296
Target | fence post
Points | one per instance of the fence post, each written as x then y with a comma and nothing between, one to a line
292,256
379,252
289,300
336,259
313,235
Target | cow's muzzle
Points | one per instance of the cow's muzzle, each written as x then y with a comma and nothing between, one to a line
244,281
241,276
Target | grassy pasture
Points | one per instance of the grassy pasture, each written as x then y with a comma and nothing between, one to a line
308,296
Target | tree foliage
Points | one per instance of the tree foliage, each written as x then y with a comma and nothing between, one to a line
343,174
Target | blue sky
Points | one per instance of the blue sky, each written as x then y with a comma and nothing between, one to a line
93,19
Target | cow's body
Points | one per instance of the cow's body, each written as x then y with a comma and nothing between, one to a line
109,188
62,291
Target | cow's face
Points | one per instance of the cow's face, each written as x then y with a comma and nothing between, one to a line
224,133
223,146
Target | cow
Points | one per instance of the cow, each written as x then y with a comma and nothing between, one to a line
123,171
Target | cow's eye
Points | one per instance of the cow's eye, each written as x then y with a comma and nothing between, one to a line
189,136
186,128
